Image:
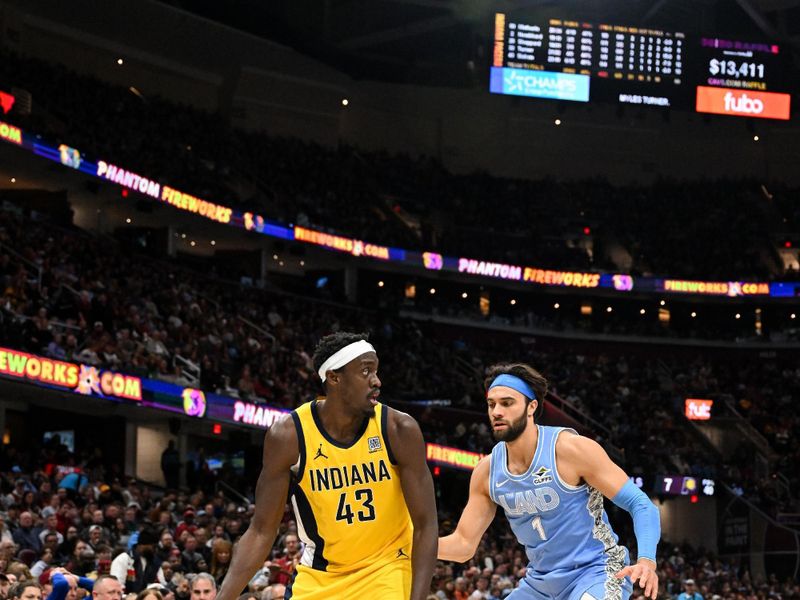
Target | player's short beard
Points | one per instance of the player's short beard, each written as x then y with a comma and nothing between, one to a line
513,430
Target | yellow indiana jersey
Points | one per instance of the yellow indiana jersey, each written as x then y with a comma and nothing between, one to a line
347,498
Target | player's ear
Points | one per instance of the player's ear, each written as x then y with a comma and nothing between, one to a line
532,406
331,377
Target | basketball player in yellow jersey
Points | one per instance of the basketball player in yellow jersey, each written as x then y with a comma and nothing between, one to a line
360,488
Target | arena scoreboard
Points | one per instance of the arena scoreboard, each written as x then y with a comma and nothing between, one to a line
578,61
681,485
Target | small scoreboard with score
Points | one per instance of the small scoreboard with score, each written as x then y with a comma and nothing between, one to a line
684,485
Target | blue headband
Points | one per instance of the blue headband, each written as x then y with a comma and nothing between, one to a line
515,383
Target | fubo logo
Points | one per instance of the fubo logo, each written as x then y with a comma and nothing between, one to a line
743,104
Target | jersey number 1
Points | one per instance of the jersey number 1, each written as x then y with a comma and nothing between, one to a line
537,525
345,513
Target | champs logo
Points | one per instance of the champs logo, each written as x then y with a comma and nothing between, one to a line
541,475
374,444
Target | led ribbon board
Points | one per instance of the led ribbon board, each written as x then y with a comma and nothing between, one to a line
151,188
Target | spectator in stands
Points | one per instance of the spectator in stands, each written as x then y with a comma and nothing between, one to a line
25,590
50,525
149,594
40,566
97,522
219,534
165,545
187,524
190,557
220,559
25,536
5,532
289,558
141,566
203,587
690,591
107,587
98,536
5,586
66,585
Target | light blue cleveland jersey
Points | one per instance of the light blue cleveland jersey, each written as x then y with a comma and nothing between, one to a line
563,527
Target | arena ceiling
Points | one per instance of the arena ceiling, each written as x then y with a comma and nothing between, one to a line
447,42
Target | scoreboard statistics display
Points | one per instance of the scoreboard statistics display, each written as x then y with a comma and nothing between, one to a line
582,62
564,60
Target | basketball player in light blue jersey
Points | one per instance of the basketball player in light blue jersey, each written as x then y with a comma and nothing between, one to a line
550,483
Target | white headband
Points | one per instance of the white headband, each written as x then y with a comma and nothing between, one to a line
340,358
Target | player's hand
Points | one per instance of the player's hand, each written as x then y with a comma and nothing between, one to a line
643,572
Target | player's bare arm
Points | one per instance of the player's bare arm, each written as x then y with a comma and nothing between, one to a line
281,451
406,440
461,545
581,459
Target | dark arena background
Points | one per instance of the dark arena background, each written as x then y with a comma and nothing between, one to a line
193,193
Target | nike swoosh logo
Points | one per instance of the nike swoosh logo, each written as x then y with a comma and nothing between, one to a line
501,483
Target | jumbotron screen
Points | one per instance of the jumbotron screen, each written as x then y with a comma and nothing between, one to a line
742,79
582,62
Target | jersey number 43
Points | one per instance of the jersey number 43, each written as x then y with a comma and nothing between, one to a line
366,513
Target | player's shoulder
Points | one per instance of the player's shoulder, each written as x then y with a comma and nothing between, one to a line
284,424
281,439
403,436
398,422
484,465
481,474
570,443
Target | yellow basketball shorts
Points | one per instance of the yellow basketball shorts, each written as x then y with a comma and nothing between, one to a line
387,581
